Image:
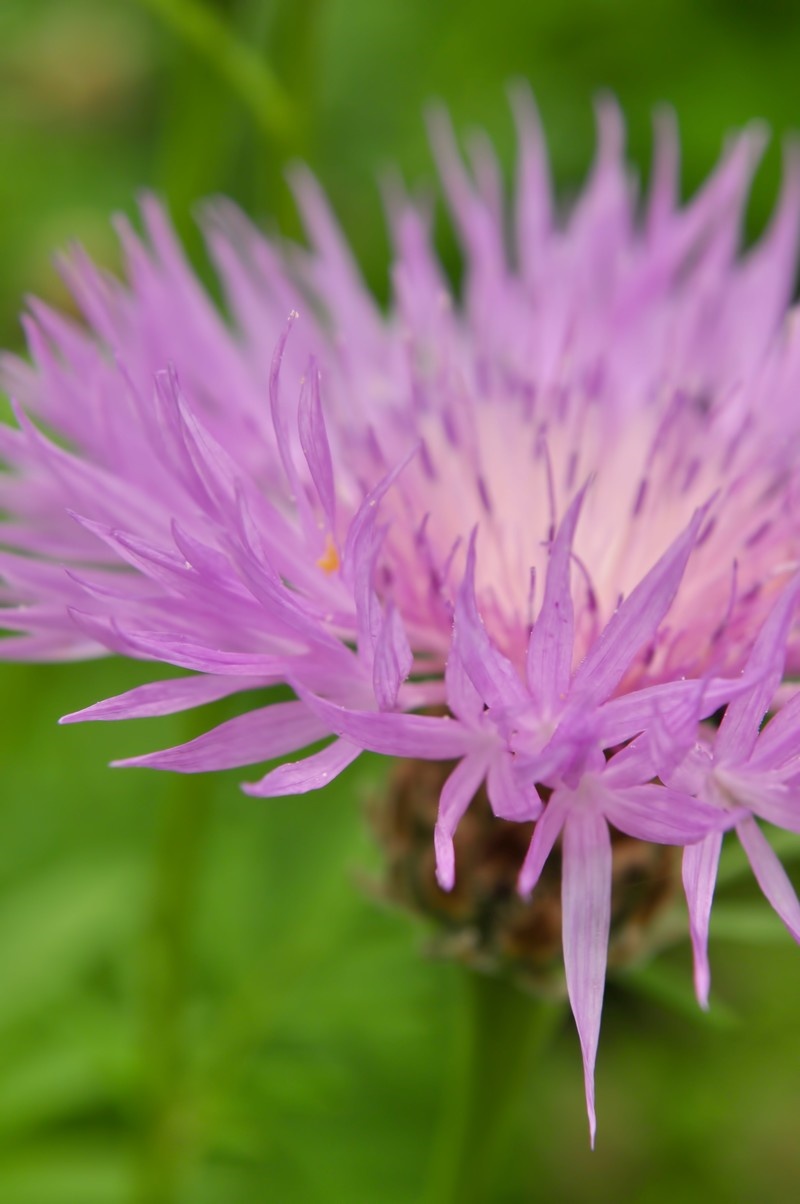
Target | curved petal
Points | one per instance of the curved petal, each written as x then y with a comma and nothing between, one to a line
312,773
314,441
458,792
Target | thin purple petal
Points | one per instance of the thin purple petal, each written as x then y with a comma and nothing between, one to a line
457,794
509,799
260,735
491,673
738,731
586,903
162,698
393,659
655,813
545,834
551,644
770,874
312,773
424,736
636,622
700,862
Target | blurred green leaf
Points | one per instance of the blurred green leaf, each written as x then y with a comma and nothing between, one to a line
55,925
672,990
66,1171
756,923
75,1065
734,865
247,73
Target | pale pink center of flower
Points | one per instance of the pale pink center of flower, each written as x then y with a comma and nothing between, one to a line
513,479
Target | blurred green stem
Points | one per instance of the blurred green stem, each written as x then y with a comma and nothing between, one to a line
245,70
220,129
166,1130
502,1029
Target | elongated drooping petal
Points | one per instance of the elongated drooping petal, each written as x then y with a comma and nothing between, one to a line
586,901
700,862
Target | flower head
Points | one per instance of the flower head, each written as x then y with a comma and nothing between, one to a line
545,531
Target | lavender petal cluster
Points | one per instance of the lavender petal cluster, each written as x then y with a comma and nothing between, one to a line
547,529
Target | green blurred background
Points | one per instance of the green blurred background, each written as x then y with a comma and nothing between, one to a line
199,1001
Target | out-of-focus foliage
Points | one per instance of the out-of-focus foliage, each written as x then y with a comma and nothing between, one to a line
200,1001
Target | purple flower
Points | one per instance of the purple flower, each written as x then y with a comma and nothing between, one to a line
547,531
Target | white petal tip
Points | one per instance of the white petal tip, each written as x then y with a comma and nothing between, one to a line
445,859
702,989
591,1115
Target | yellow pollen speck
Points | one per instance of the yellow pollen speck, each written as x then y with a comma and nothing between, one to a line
329,560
